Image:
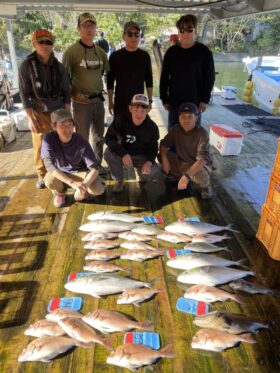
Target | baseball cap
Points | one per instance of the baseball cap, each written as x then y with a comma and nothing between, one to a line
129,25
140,99
84,17
188,107
42,34
60,115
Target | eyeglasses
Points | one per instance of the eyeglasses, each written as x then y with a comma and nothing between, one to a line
92,64
189,30
135,34
88,25
45,42
138,106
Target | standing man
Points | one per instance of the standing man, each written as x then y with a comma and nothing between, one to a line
43,88
130,68
103,43
188,72
85,63
132,140
184,151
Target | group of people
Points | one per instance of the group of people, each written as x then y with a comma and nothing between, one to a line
68,148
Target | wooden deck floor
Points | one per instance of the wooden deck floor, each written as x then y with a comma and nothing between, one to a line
40,245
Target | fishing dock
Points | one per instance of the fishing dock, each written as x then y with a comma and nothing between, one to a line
41,245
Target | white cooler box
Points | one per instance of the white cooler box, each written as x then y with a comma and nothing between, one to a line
21,120
229,92
7,127
226,139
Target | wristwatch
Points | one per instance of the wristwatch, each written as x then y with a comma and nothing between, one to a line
187,176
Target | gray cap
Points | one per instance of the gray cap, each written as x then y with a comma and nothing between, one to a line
140,99
131,24
60,115
188,107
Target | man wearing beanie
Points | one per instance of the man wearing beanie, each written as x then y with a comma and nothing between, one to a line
43,88
85,63
70,161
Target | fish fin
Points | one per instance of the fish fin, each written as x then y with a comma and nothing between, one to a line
95,295
107,344
136,304
151,283
167,351
82,344
145,325
240,263
247,337
229,228
45,360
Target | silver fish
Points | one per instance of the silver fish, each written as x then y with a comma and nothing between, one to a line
137,245
212,275
140,255
252,288
101,255
196,260
101,267
210,238
112,321
214,340
97,285
131,236
112,215
133,356
46,348
136,296
146,229
193,227
203,247
62,313
173,237
101,244
210,294
79,330
99,236
44,328
107,226
232,323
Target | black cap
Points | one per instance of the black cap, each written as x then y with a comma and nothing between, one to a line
188,107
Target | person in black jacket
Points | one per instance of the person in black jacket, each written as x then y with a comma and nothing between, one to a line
188,72
132,140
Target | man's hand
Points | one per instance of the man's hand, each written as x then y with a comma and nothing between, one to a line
146,168
165,165
183,183
127,161
202,107
166,106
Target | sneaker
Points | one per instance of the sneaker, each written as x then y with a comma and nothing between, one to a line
118,187
206,193
40,184
59,200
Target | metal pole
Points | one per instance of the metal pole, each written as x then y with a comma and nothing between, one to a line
12,51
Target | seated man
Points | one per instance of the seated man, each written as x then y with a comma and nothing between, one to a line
132,140
69,160
184,151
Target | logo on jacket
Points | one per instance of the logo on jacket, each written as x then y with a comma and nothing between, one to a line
130,139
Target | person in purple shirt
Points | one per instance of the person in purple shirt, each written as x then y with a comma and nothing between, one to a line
69,161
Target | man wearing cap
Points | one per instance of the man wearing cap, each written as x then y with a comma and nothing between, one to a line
43,88
70,161
132,140
130,69
184,151
188,72
85,63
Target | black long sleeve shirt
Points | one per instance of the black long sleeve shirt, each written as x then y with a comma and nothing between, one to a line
188,75
124,137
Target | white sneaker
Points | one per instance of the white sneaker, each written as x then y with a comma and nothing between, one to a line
118,187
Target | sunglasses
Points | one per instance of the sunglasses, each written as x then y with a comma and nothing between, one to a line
45,42
135,34
137,106
188,30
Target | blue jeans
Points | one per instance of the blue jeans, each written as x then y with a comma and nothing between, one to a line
173,116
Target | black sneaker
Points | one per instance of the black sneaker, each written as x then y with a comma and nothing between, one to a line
40,184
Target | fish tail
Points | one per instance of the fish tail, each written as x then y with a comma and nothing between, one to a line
238,298
82,344
229,228
226,249
159,290
247,337
167,351
240,263
107,344
145,325
125,270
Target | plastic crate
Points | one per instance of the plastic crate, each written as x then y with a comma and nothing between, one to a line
273,197
269,233
276,168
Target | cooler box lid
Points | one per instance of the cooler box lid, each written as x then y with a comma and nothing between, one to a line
226,131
